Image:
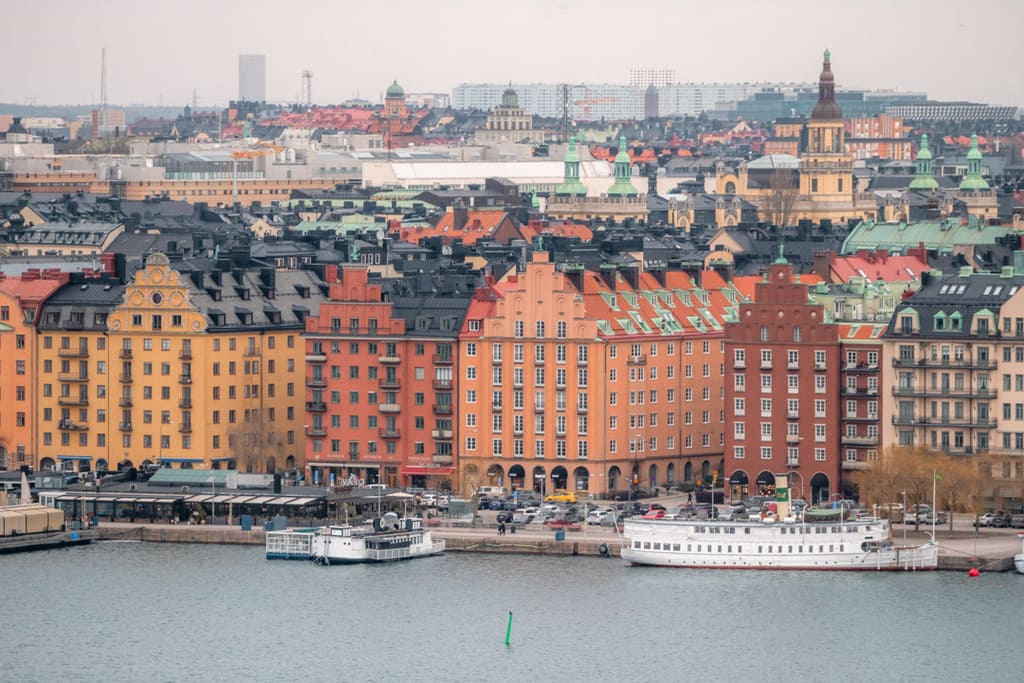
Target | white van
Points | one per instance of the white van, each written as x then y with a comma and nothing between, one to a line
491,491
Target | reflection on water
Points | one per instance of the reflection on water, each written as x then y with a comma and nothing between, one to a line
139,611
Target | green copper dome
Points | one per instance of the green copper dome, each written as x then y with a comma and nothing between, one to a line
571,184
924,180
973,180
924,152
622,185
394,90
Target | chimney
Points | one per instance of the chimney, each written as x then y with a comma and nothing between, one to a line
108,260
823,265
460,215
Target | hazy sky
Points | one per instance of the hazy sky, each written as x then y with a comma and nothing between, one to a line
158,51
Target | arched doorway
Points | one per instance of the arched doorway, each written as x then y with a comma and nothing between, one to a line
125,465
739,485
271,465
560,478
3,457
670,473
820,488
688,472
517,477
289,463
766,484
652,475
495,475
232,465
146,463
215,465
705,470
101,465
582,478
539,480
614,474
47,465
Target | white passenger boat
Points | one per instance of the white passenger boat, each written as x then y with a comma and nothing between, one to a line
1018,560
390,538
792,543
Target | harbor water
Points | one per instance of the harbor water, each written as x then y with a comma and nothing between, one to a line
125,611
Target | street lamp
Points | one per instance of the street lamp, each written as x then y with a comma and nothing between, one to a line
213,492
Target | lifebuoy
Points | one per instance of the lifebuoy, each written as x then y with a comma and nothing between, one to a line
603,550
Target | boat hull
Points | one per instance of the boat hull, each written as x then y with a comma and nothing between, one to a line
1018,561
863,545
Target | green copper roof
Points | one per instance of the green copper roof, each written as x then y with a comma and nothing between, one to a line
622,186
572,185
828,55
924,179
781,261
395,90
973,180
942,236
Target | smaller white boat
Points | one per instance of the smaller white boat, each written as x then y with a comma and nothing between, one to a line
389,539
1018,560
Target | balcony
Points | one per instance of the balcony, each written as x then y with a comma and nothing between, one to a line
389,359
538,407
739,364
861,367
442,359
906,421
73,378
640,359
316,406
792,366
386,433
185,428
766,364
185,354
859,440
125,402
125,426
945,392
389,383
793,438
126,354
389,408
862,417
442,384
252,353
820,366
316,357
185,379
497,360
442,459
126,378
442,409
185,403
792,462
72,401
855,465
538,361
793,415
442,434
581,408
316,432
73,353
72,426
316,382
496,407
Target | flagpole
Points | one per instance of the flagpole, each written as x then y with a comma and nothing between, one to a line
935,478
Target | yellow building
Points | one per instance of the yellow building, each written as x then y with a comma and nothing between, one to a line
190,364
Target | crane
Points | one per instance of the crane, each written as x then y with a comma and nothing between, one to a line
252,153
588,100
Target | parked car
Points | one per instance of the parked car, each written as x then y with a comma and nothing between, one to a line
561,497
612,519
1017,521
994,519
922,514
654,513
521,518
597,516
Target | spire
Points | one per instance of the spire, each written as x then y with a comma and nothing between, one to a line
622,186
781,261
826,108
924,180
571,185
973,180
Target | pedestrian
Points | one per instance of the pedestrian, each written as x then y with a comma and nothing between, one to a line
689,498
501,528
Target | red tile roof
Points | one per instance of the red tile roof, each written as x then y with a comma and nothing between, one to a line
878,265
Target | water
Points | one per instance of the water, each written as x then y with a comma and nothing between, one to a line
165,612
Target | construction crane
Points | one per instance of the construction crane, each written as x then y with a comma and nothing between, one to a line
587,101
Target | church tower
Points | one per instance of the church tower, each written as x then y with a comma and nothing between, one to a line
571,185
973,180
826,170
622,186
924,180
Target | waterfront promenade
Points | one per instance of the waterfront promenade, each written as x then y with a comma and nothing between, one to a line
991,550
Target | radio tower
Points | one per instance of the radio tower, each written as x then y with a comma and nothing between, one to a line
103,91
307,87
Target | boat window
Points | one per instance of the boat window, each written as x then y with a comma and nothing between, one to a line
675,547
790,549
636,544
647,545
840,547
810,548
769,548
759,549
689,547
821,548
746,530
657,546
851,530
730,548
719,549
831,548
698,547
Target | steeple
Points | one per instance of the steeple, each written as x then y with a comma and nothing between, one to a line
826,108
924,180
510,98
622,186
973,180
571,185
781,261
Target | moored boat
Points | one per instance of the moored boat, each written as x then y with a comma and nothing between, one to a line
1018,560
389,539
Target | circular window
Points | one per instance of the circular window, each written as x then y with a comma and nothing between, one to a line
157,298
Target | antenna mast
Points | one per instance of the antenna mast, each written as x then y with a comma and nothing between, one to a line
103,91
307,88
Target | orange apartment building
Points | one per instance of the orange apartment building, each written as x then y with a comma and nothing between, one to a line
381,379
21,300
589,380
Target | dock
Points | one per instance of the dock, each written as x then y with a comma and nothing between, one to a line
46,541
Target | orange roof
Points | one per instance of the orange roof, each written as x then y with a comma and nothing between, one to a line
861,331
564,229
479,224
878,266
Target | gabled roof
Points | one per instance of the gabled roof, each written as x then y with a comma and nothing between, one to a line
874,266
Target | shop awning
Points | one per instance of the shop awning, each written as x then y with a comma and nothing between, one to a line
74,457
261,500
166,459
423,470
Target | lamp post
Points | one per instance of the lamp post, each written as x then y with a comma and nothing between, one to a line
213,493
904,492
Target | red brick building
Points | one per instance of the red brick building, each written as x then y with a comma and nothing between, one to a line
782,381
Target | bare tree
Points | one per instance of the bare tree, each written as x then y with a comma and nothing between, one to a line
256,446
782,196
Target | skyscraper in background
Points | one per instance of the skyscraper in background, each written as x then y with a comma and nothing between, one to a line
252,78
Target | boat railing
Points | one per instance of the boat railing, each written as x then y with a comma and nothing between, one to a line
401,553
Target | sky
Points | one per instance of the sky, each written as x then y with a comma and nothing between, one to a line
159,52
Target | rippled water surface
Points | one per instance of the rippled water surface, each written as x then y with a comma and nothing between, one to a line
154,612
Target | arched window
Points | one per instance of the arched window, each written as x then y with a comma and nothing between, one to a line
730,187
